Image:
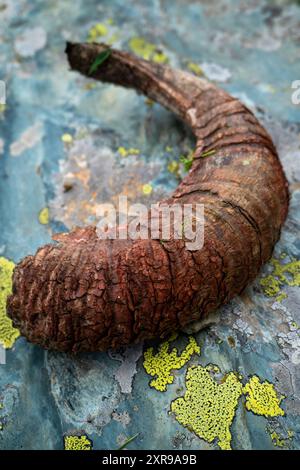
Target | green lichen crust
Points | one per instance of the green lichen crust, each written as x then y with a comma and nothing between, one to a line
208,408
8,334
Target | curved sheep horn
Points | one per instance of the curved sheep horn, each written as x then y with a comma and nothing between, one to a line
87,294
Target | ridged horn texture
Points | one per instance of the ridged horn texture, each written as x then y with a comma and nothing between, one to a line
88,294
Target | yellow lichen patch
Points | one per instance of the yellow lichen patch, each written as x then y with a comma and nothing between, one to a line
125,152
149,102
281,297
77,443
67,138
213,368
161,364
262,398
142,48
104,30
147,50
97,31
89,86
173,167
286,273
44,216
8,334
208,408
271,286
281,439
195,68
147,189
277,440
160,58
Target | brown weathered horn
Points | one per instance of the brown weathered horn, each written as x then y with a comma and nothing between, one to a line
87,294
